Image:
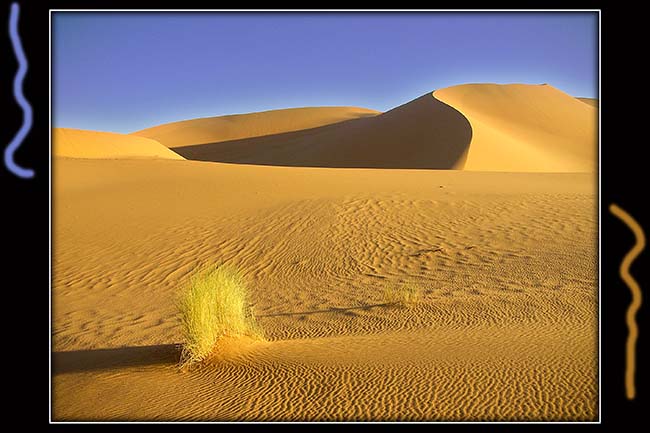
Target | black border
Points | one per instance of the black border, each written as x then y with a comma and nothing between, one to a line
623,166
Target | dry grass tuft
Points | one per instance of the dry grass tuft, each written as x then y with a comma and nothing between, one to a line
214,304
402,295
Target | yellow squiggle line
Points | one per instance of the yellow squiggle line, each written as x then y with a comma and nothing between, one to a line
630,318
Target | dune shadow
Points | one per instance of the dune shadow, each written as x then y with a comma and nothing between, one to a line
342,310
109,359
425,133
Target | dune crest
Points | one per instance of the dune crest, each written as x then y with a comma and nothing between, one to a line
519,127
239,126
423,133
482,127
79,143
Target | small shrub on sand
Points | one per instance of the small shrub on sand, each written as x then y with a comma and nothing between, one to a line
401,295
214,304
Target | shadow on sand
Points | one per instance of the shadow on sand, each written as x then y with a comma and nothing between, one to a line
423,134
77,361
107,359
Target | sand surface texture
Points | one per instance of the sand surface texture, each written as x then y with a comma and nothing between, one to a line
505,329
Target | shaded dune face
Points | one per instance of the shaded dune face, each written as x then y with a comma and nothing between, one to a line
424,133
479,127
589,101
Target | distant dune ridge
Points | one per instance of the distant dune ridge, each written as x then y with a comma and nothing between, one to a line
485,127
78,143
238,126
424,133
482,127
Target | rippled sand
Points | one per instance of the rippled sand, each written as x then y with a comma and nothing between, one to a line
506,328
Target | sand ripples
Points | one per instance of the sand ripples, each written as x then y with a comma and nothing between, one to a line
506,327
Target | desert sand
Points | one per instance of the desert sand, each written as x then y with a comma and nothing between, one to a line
484,127
79,143
590,101
506,328
238,126
521,127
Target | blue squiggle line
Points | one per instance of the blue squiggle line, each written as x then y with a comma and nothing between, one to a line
20,98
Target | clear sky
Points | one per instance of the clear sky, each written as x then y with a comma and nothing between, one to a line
122,72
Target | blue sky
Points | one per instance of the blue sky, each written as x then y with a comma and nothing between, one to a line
122,72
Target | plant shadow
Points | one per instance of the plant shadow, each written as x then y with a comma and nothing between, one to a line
109,359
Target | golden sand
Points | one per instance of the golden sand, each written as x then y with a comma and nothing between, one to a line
520,127
79,143
505,329
238,126
589,101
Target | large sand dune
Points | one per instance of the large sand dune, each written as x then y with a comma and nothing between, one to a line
79,143
424,133
504,253
506,328
520,127
238,126
484,127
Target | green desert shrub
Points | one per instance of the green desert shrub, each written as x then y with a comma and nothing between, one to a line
401,294
214,304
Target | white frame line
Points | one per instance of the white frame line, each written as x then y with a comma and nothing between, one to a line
598,11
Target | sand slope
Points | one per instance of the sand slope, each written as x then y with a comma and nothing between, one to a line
238,126
507,262
424,133
590,101
519,127
484,127
78,143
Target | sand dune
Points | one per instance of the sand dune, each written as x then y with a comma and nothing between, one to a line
424,133
506,327
519,127
78,143
590,101
322,214
484,127
238,126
